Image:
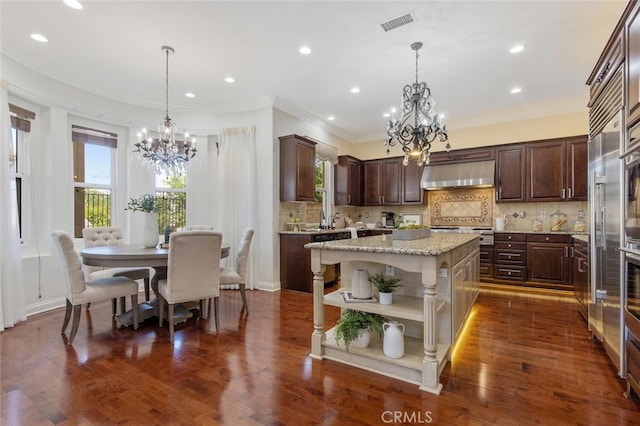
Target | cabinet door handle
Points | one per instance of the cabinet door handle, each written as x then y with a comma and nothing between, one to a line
568,192
496,195
563,192
566,251
348,199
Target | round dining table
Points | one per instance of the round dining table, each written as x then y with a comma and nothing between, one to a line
136,255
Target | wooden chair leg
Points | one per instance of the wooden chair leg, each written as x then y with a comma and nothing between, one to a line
216,309
134,306
245,307
67,316
171,324
123,304
160,310
146,289
204,305
75,323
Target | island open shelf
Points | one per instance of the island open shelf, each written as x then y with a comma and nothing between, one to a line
445,268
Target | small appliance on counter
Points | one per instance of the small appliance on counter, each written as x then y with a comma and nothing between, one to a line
388,220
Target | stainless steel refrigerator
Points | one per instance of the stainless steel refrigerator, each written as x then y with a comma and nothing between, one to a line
605,204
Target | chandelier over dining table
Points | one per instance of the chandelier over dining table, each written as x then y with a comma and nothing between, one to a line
419,124
165,153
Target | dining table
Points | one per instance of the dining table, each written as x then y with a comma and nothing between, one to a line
136,255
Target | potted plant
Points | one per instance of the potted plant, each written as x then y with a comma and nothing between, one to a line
355,328
386,286
148,204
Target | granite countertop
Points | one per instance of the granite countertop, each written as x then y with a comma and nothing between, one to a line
332,231
434,245
581,237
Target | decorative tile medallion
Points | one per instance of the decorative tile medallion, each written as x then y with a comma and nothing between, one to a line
461,207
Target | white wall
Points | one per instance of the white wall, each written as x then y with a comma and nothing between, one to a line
50,201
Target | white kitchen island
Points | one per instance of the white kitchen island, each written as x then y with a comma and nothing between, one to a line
440,276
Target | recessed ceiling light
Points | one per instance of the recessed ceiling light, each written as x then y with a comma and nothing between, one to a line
441,115
230,79
517,48
331,118
190,95
393,110
386,114
73,4
355,90
305,50
515,90
39,37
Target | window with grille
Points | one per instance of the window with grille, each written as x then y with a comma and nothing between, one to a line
171,193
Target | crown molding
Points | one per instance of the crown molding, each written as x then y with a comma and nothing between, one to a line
291,109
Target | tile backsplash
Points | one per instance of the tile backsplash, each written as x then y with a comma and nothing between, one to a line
459,207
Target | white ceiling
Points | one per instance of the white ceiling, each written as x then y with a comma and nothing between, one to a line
112,48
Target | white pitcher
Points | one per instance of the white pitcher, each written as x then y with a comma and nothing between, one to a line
393,342
360,285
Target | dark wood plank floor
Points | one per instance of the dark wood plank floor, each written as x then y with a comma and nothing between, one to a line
523,360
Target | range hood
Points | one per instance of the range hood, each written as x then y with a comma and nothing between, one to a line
477,174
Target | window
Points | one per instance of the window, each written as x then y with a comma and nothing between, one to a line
93,159
323,196
20,127
172,201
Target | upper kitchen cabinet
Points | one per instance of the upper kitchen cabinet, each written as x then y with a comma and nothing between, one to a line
412,193
297,168
348,181
632,80
609,62
383,182
557,170
510,174
462,156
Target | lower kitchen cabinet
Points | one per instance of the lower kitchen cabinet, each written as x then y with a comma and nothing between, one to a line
548,260
531,260
486,262
510,257
580,275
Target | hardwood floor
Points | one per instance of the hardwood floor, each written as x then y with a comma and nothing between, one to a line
523,360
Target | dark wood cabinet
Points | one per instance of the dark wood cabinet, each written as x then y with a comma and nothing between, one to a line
548,259
510,174
510,257
546,162
412,193
297,168
295,263
486,261
462,156
609,62
580,275
632,80
348,181
383,182
557,169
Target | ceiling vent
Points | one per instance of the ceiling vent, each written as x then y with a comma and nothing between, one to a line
394,23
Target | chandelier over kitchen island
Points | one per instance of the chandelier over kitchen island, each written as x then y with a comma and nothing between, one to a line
419,124
165,153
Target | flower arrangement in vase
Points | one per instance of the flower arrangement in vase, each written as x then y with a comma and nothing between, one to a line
355,328
386,286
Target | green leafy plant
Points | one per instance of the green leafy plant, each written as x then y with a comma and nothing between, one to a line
413,226
147,203
384,284
351,323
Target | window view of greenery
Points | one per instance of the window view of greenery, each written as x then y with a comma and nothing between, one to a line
172,204
319,181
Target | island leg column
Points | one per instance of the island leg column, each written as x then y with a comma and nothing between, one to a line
430,370
318,304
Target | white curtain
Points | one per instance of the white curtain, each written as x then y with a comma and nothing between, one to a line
237,204
12,306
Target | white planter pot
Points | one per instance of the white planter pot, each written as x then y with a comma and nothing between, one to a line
360,286
363,339
150,235
386,298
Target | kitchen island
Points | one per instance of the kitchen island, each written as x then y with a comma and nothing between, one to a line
440,277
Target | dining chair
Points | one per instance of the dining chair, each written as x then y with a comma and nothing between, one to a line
79,291
112,236
197,228
238,274
193,274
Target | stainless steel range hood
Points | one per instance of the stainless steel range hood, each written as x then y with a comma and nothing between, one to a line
477,174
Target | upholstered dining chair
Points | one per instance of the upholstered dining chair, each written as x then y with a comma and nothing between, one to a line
112,236
197,228
238,274
79,291
193,273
